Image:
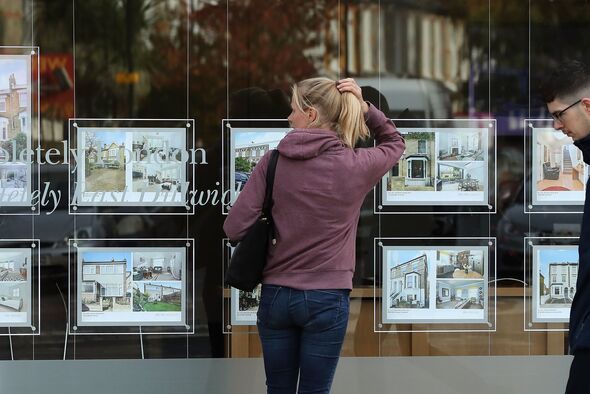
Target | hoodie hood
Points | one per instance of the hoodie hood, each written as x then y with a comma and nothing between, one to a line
303,144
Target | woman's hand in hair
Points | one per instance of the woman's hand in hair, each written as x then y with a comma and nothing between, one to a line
350,85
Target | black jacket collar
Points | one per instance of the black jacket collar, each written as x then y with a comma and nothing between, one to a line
584,146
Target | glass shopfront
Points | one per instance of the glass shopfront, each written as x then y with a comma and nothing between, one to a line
128,127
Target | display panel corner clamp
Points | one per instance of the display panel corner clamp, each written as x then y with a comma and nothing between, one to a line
444,283
122,285
448,166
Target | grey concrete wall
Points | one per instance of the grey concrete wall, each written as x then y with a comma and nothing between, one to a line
420,375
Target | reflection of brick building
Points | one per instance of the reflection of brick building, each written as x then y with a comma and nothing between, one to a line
252,153
408,285
562,280
13,110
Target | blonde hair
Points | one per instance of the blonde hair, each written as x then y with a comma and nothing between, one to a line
341,112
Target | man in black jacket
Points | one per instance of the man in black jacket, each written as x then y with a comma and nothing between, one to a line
567,94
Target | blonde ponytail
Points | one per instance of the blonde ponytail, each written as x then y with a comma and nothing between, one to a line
341,112
351,120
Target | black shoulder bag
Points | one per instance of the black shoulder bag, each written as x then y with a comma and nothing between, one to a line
249,257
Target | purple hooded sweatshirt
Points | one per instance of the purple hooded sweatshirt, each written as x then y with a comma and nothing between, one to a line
319,187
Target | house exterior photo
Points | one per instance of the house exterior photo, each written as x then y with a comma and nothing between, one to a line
562,281
408,287
13,109
416,168
103,279
112,153
157,293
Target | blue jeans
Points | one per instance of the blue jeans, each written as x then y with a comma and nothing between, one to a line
301,333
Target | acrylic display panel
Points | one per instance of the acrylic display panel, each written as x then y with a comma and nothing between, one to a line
19,287
244,144
239,307
448,166
131,283
551,269
439,284
19,130
132,165
244,306
556,174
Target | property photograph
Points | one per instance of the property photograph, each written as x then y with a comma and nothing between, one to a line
558,165
158,265
162,146
13,297
460,264
461,176
153,177
157,296
105,281
13,176
14,265
460,294
104,161
415,170
249,300
248,149
15,111
557,270
464,145
407,279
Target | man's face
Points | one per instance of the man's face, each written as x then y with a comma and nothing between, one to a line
575,121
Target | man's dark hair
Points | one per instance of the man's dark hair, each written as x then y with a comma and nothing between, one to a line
566,79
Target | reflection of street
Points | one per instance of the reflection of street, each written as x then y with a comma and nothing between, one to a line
106,179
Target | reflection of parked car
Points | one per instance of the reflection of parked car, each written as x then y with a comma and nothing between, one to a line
241,178
166,185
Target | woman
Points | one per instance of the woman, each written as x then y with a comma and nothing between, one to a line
320,184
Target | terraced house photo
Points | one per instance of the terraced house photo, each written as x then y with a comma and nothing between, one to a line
557,276
415,170
15,111
105,282
407,281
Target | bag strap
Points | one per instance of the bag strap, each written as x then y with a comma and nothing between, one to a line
270,180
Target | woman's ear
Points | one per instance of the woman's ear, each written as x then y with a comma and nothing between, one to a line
586,105
312,115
